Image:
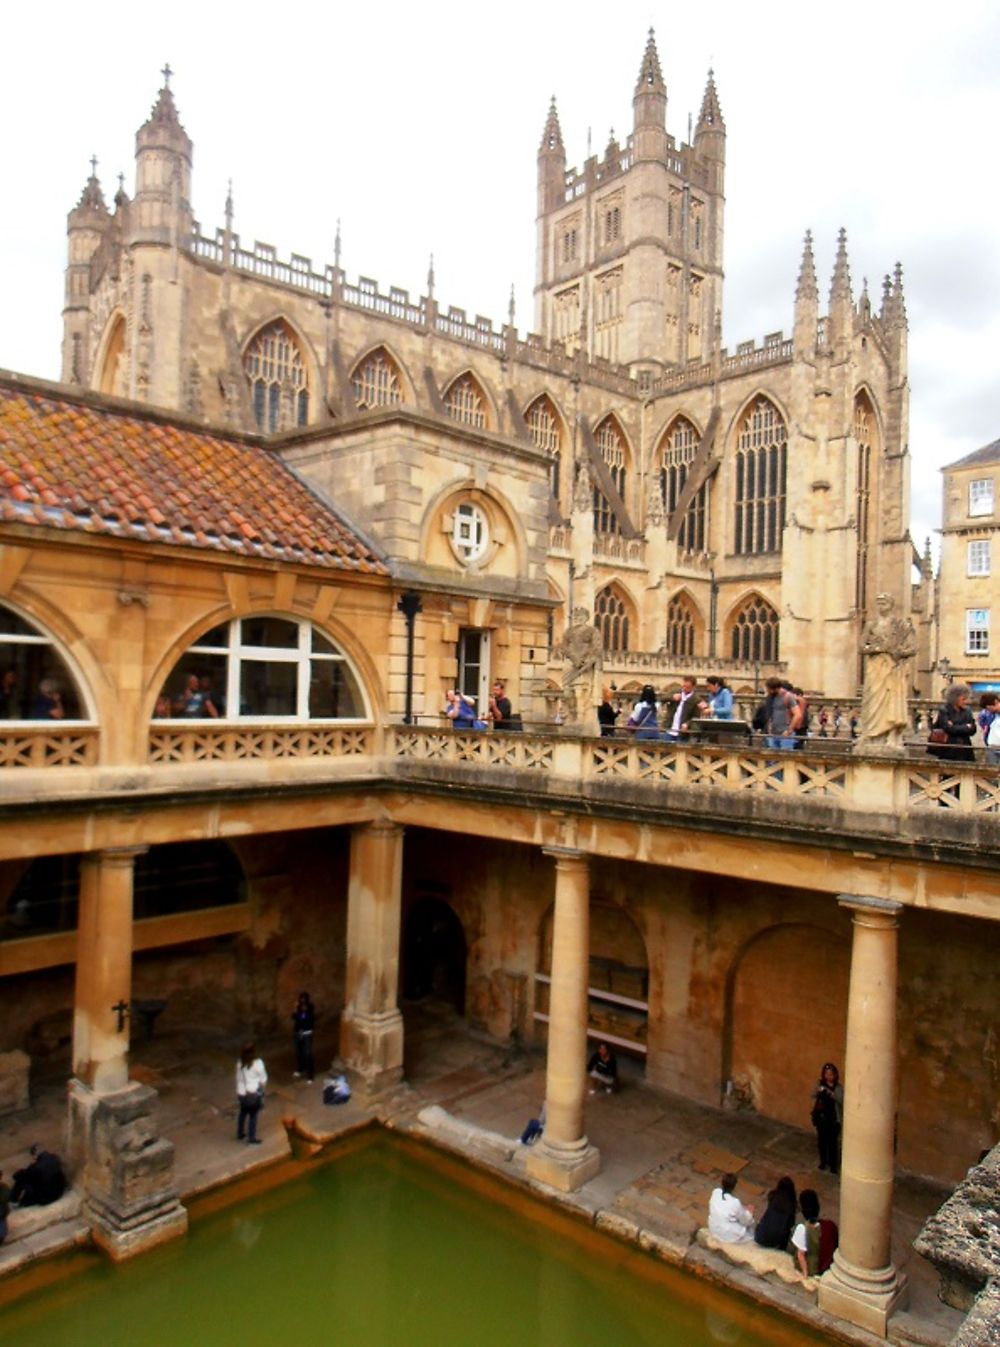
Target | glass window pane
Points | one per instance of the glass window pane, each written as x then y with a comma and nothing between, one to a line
12,625
218,636
196,686
321,646
333,692
275,632
268,688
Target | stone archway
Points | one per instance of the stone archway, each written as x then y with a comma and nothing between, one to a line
786,1014
434,954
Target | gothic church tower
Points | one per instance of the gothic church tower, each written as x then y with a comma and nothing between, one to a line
629,251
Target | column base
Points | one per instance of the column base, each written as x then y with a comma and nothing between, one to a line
565,1168
125,1170
372,1047
862,1296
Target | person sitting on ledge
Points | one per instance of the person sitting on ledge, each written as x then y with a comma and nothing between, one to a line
603,1070
813,1240
775,1226
42,1182
728,1219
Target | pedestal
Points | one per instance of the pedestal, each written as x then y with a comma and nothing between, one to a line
372,1046
565,1168
126,1172
863,1296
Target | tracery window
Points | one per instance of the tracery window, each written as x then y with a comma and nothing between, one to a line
611,619
678,448
612,224
276,374
681,626
35,683
863,419
545,429
755,631
611,444
761,454
376,382
264,668
464,402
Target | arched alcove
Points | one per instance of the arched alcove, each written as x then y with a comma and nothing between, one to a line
434,954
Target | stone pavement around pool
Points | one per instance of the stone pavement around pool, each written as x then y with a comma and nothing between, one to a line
660,1155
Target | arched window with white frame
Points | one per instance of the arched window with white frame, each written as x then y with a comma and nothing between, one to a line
264,668
35,680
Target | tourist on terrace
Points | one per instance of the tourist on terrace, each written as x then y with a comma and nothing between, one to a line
643,720
685,709
813,1240
303,1024
48,702
603,1070
774,1229
956,722
728,1219
500,711
989,720
720,699
251,1077
779,713
828,1116
460,710
607,713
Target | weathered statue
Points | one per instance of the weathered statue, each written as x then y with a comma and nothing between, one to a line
582,648
888,645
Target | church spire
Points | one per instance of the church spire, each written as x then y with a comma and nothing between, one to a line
898,302
840,282
807,288
552,140
650,79
805,331
551,164
710,115
840,322
92,198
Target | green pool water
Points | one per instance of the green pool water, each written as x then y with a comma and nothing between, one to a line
381,1246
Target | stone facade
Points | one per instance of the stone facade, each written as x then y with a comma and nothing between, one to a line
968,598
740,508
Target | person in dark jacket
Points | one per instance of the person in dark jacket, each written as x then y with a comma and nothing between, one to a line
303,1024
957,723
42,1182
607,714
603,1070
774,1229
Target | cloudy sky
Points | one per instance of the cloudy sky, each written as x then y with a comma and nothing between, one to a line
417,126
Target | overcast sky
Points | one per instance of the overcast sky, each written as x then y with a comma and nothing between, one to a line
418,126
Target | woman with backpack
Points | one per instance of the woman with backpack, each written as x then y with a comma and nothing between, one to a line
643,720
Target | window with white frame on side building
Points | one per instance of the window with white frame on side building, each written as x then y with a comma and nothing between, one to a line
977,557
977,631
981,496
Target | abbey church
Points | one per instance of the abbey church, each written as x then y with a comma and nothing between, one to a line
712,511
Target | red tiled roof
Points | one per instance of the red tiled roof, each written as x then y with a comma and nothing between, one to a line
68,464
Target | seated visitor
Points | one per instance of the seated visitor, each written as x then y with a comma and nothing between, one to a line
813,1240
42,1182
728,1219
603,1070
774,1229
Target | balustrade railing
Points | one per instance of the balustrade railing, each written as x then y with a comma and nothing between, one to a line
48,746
205,742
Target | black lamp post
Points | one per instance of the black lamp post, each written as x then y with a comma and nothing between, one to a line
409,605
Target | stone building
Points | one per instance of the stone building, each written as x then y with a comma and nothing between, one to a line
736,511
967,597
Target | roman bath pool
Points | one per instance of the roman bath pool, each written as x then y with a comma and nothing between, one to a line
384,1243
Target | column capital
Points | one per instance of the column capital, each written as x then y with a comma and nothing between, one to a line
380,827
870,911
114,856
566,854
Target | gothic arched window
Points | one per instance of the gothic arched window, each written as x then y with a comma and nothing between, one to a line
864,436
35,682
677,449
755,631
761,452
265,668
681,626
464,401
611,618
611,444
546,431
276,374
113,371
376,381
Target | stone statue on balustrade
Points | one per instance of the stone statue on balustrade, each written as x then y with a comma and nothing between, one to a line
888,645
582,648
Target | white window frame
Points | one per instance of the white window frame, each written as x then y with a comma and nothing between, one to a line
977,557
470,532
981,496
39,638
301,654
977,631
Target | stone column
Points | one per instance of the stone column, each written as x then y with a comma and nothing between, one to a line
125,1169
371,1028
564,1158
862,1286
104,969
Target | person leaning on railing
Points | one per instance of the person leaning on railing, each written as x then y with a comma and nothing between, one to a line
953,728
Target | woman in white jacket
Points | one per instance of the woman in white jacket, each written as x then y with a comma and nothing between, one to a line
251,1077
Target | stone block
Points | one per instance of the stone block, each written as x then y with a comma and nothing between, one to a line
14,1070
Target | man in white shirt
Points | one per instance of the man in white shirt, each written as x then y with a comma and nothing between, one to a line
728,1219
685,705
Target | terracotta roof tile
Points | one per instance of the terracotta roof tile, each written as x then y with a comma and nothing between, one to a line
79,467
